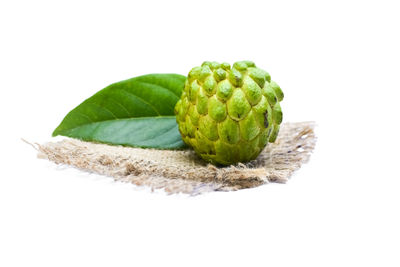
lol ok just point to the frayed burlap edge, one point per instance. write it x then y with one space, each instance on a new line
183 171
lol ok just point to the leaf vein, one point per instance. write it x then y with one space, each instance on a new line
86 116
144 101
104 108
122 106
159 86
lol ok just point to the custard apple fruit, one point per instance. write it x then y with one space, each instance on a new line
229 114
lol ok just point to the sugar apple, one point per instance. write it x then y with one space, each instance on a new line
229 114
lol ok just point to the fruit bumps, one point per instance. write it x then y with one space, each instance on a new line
229 114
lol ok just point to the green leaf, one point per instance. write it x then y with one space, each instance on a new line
137 112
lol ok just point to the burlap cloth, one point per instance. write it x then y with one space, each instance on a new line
183 171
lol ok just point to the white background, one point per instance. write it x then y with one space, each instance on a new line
338 63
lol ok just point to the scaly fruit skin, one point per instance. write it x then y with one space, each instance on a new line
229 114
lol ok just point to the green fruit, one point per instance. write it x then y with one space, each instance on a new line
229 114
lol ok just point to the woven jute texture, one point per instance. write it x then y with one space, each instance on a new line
183 171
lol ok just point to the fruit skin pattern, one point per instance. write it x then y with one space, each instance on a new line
229 114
